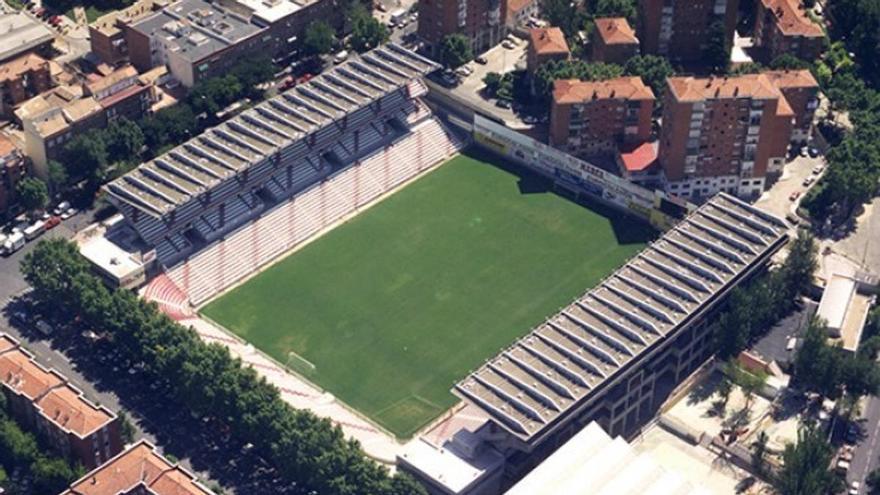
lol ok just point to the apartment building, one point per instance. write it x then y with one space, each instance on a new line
52 119
681 29
196 39
45 402
783 26
479 20
22 78
614 41
12 169
107 33
723 134
121 93
139 470
594 118
545 44
801 91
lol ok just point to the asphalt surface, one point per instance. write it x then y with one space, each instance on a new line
866 457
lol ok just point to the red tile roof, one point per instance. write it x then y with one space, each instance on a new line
548 40
615 31
749 85
792 19
639 157
791 78
138 467
576 91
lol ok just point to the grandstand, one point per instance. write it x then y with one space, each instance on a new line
298 162
583 355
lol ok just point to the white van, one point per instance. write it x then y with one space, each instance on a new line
397 16
13 243
35 230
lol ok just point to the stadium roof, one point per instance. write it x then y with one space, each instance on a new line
559 364
159 186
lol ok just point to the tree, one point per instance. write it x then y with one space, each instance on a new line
318 39
805 469
759 453
52 475
564 15
873 482
124 140
653 69
717 51
366 31
58 178
33 194
455 50
214 94
787 61
170 126
746 68
251 72
86 155
127 430
800 265
492 80
554 70
816 365
615 8
734 325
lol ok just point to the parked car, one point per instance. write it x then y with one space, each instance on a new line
804 151
61 208
464 71
44 328
507 44
68 213
13 243
481 60
340 57
818 169
813 152
52 222
809 180
502 104
380 7
854 488
794 196
35 230
530 120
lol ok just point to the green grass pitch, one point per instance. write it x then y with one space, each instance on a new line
397 304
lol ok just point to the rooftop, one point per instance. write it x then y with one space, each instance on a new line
639 157
536 381
593 462
615 31
19 33
549 40
182 174
196 29
66 407
58 401
274 10
16 67
792 18
107 23
140 468
692 89
100 84
784 79
570 91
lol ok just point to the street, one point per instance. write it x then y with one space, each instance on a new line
866 457
777 199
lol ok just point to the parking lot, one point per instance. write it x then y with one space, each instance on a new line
784 196
501 60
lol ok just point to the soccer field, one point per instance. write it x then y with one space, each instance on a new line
397 304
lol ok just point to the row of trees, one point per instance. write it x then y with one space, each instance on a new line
651 68
850 85
307 450
24 467
752 309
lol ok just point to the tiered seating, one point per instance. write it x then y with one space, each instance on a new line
275 188
313 209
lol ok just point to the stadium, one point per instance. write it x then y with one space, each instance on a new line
348 244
